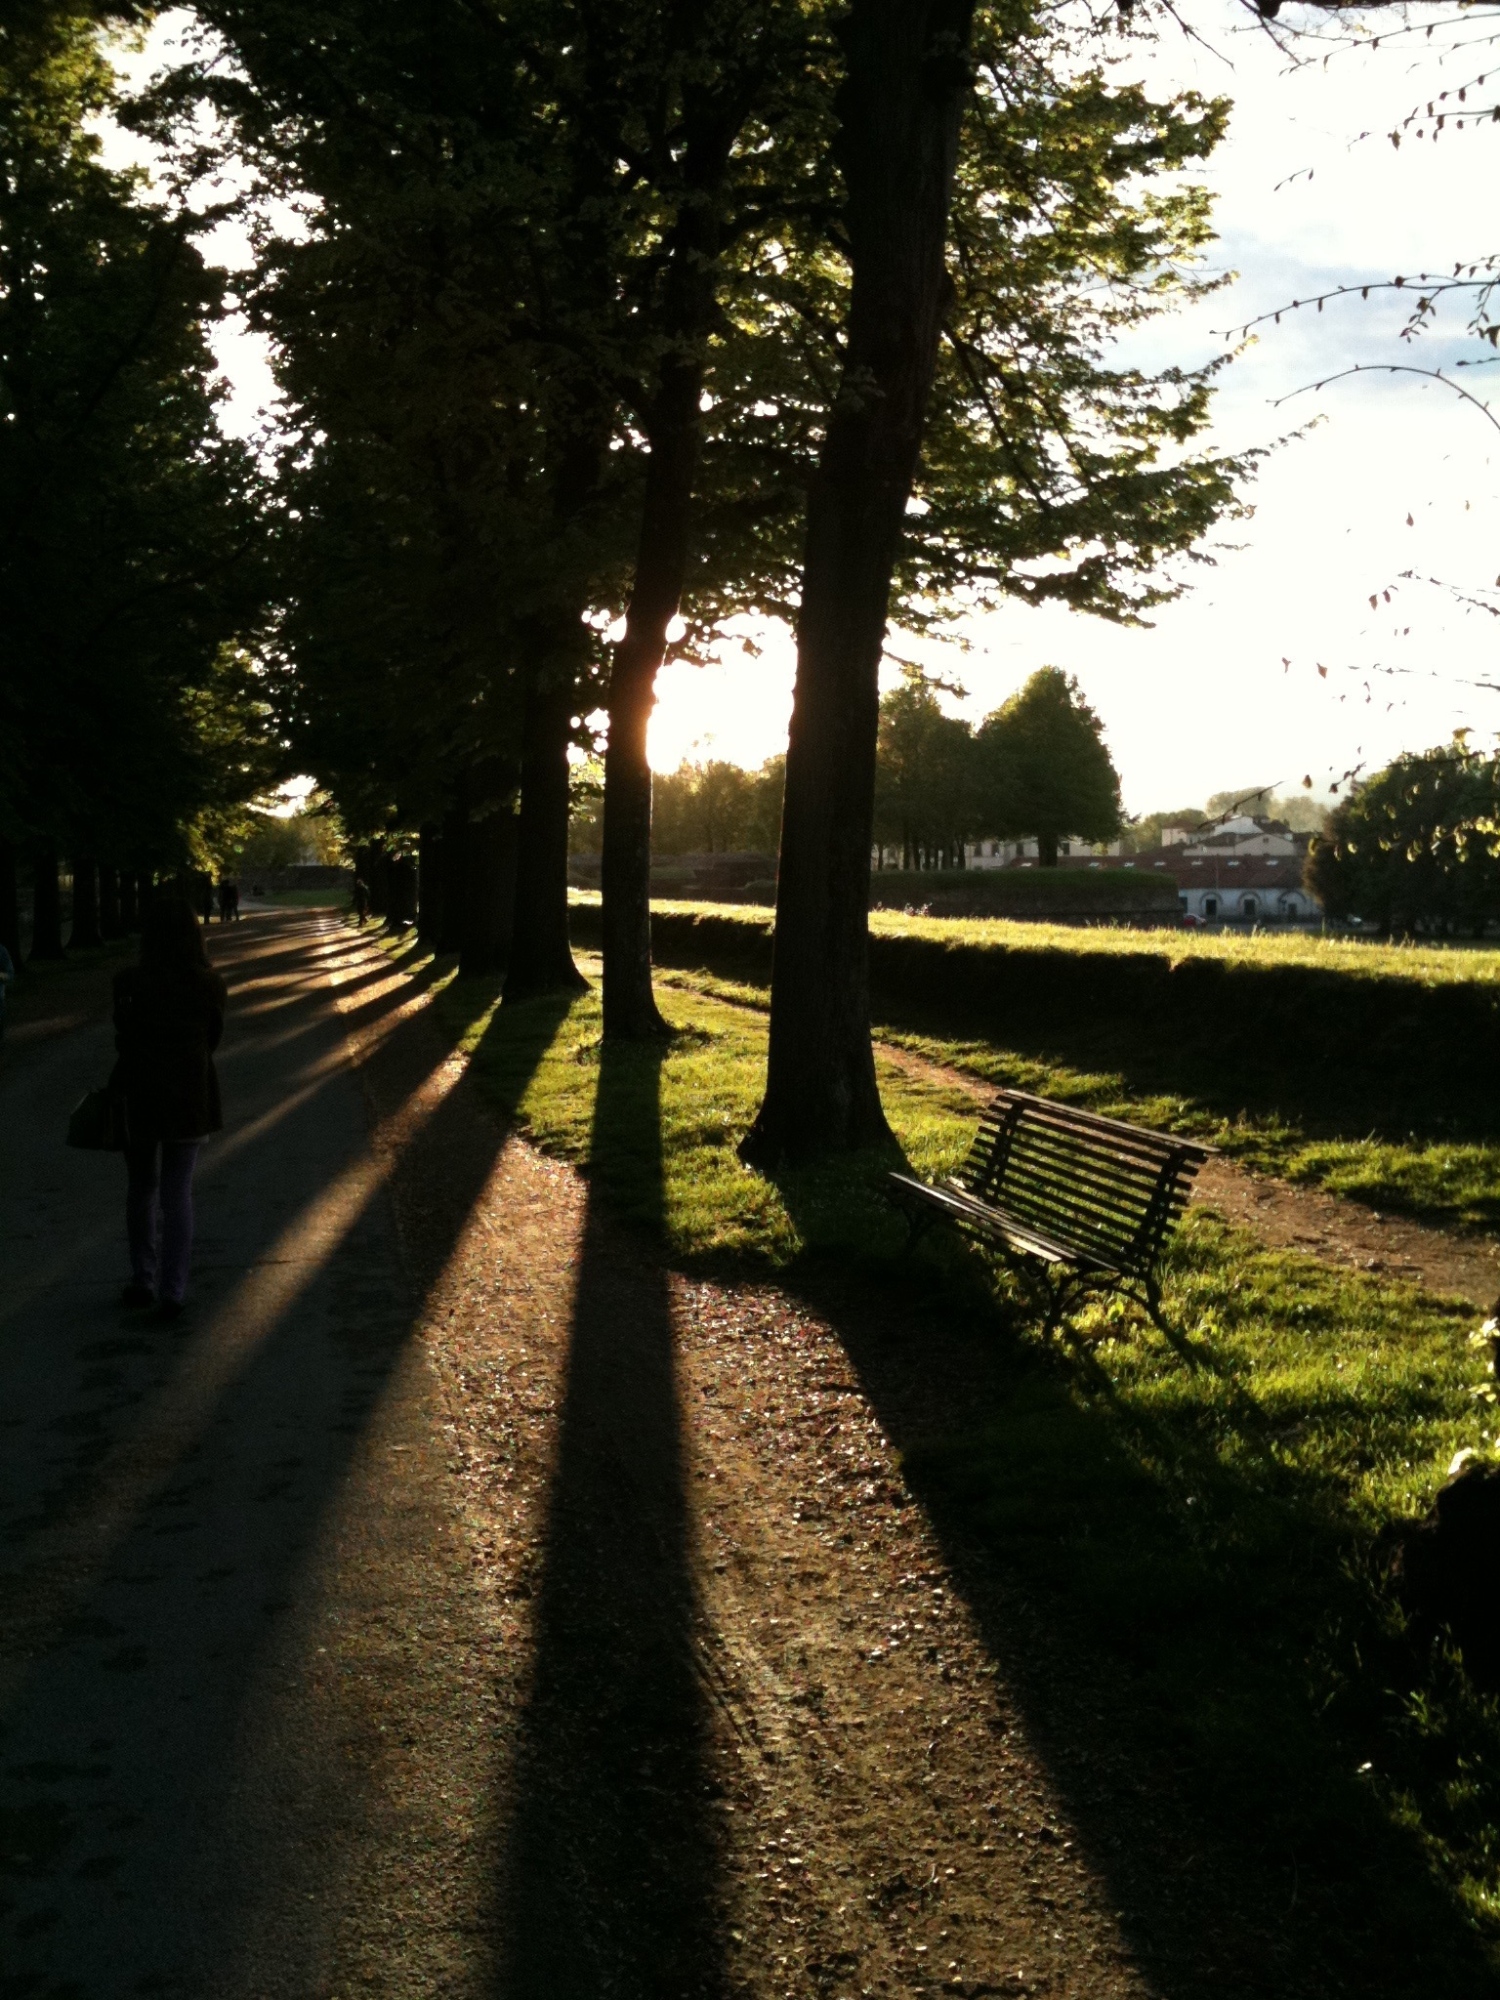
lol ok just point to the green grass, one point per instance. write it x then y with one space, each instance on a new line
658 1126
1202 1522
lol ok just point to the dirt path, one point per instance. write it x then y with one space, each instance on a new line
1306 1218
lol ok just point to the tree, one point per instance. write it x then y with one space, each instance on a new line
716 808
1046 770
1140 835
925 771
1296 810
989 261
1416 848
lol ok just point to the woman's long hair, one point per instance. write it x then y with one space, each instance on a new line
171 939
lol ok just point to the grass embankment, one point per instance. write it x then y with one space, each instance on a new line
1372 1070
1203 1532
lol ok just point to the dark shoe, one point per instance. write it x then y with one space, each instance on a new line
170 1309
137 1295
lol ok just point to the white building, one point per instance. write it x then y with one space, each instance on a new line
1241 871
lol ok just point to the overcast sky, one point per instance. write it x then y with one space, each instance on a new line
1203 700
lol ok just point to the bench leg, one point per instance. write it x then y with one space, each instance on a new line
1153 1305
918 1222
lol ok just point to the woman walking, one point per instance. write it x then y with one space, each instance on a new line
169 1015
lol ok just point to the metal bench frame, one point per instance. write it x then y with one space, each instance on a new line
1073 1203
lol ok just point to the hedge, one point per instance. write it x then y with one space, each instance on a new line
1380 1025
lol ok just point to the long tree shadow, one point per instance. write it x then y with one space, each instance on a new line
168 1499
609 1876
1154 1602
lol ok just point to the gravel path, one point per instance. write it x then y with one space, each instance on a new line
461 1604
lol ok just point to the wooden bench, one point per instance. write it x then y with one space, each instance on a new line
1073 1202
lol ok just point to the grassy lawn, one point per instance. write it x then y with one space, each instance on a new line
1209 1524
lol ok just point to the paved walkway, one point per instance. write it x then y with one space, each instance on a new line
221 1539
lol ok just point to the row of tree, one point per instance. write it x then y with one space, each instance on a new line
599 318
595 323
133 720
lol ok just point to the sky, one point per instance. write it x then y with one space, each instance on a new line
1391 474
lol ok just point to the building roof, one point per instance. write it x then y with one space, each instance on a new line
1224 870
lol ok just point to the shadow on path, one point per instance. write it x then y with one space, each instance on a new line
180 1509
1145 1641
609 1873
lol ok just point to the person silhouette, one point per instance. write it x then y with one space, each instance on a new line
169 1017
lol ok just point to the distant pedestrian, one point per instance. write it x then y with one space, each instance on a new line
206 897
169 1015
229 901
361 899
7 974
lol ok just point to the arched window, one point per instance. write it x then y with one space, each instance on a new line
1210 906
1250 906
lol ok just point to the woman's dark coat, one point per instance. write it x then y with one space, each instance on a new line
167 1026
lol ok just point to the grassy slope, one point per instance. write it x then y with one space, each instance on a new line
1210 1530
1426 1152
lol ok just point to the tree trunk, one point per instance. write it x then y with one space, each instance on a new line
630 1009
85 931
401 875
10 902
452 861
111 925
130 906
672 429
429 884
375 875
489 906
1046 850
46 905
900 107
541 958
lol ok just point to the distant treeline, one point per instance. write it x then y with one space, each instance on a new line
1037 768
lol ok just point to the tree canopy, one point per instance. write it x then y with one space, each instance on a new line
1416 848
1047 770
130 556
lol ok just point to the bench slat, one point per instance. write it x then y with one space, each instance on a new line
1134 1136
1040 1161
987 1221
1054 1174
1081 1149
